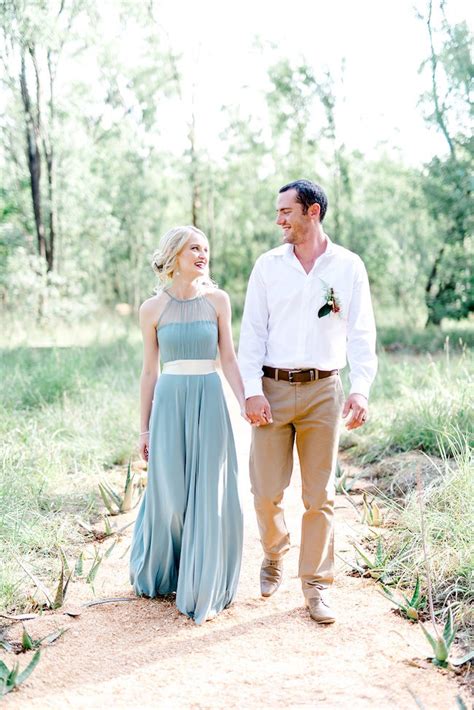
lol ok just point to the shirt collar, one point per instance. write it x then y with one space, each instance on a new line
288 252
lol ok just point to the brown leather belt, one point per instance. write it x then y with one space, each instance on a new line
293 376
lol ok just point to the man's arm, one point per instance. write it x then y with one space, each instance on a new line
253 347
254 334
361 336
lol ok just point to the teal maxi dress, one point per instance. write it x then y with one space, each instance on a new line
188 533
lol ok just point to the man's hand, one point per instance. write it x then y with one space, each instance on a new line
258 410
357 406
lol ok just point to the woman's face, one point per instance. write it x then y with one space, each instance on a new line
193 259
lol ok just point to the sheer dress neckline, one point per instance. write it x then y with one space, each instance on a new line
182 300
187 310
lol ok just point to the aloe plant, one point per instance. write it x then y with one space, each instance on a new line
441 643
63 583
128 491
409 607
12 678
79 566
30 644
375 566
97 561
54 600
113 501
371 513
343 482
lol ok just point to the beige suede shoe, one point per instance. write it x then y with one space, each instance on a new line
320 611
271 574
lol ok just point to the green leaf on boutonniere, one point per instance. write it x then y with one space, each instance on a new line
324 310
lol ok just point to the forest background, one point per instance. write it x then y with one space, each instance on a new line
108 139
122 119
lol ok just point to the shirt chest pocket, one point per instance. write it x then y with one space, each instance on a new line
333 301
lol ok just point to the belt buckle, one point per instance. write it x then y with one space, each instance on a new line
290 376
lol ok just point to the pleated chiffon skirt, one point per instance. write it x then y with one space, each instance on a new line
188 533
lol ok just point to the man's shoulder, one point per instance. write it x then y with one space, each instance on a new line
345 255
272 254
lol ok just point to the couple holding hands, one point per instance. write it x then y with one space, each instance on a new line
307 310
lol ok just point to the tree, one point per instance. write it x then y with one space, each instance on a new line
34 35
449 288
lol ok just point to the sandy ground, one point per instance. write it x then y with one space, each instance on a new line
257 654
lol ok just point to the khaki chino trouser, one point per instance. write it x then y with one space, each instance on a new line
310 413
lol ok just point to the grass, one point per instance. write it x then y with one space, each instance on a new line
418 402
68 415
447 506
407 339
424 403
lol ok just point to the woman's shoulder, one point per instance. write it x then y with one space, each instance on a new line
218 297
153 307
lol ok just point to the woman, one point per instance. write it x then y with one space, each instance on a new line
188 533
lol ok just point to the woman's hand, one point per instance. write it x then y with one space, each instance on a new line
243 414
144 445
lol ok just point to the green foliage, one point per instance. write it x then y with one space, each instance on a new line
378 565
371 513
447 512
10 679
117 503
68 414
409 607
30 644
441 643
408 339
118 185
54 600
450 287
419 404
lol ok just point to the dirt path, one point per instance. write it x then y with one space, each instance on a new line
257 654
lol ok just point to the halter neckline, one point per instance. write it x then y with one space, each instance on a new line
182 300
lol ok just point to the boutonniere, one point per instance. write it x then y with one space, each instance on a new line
332 304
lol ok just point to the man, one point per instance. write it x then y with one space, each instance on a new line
308 306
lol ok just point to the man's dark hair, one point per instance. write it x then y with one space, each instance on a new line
307 194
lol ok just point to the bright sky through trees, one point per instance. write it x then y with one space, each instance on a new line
380 42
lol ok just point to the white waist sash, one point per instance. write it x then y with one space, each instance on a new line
189 367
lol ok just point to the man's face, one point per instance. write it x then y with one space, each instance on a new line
290 218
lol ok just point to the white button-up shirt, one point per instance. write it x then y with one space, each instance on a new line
280 324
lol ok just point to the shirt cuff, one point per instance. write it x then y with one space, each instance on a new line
253 388
360 386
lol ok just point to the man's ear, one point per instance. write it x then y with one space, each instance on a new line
314 211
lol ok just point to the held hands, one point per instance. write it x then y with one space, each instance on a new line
258 411
357 406
144 445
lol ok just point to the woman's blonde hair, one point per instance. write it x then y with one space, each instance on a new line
171 243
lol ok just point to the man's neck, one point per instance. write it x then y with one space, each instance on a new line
308 251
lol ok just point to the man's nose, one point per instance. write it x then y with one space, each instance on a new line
280 219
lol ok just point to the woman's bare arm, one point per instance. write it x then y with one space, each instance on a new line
149 374
228 359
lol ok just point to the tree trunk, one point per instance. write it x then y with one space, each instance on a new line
433 318
50 169
439 113
33 156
